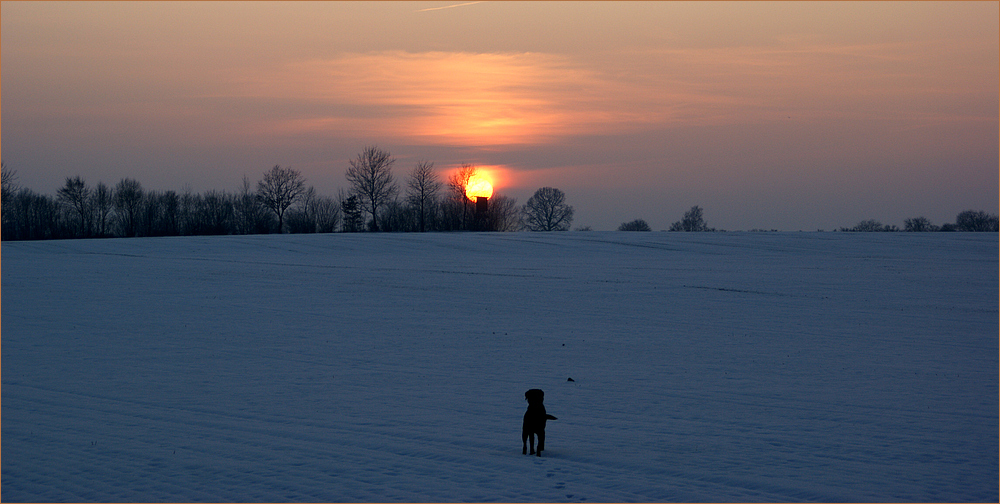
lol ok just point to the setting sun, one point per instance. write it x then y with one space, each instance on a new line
478 186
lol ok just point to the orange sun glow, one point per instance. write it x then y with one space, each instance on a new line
478 186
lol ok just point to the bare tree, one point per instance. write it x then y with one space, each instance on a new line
458 180
249 214
326 213
396 216
169 224
919 224
190 204
692 221
370 175
866 226
76 196
216 213
8 182
503 214
101 202
31 216
457 183
455 208
547 210
979 221
636 225
128 200
280 188
315 214
158 214
422 189
301 219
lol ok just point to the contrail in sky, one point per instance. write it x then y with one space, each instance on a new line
448 6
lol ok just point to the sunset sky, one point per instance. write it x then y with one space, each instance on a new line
785 115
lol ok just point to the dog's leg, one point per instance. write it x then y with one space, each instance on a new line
541 442
531 443
524 443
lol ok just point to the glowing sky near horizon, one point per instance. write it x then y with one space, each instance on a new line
781 115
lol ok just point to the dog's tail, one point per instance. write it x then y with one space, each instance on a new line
550 417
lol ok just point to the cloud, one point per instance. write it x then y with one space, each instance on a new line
495 99
467 98
447 6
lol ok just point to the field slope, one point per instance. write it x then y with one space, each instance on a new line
706 367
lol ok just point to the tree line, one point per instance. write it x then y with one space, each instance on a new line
280 202
693 221
968 221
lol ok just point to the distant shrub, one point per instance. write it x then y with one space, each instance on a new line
869 226
919 224
976 221
692 221
636 225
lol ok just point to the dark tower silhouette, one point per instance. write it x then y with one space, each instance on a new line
482 205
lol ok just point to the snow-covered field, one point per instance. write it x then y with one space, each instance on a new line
706 367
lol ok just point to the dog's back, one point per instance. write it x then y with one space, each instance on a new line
535 418
534 421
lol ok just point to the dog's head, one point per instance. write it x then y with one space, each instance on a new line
534 396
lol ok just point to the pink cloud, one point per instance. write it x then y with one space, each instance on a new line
466 98
488 99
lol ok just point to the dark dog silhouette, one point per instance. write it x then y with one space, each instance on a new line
534 422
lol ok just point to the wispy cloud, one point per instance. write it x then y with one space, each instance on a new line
447 6
471 98
483 99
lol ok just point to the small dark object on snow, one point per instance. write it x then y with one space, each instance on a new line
534 422
570 379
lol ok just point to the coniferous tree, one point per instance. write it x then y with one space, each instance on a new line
353 214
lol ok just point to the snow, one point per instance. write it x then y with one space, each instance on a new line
392 367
